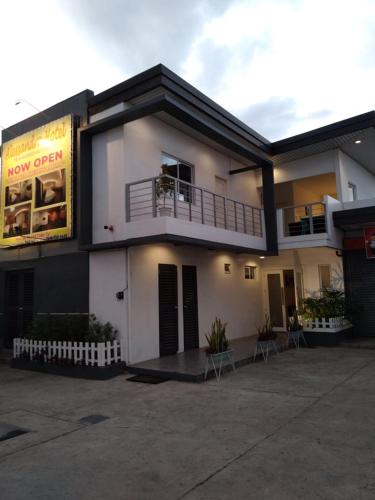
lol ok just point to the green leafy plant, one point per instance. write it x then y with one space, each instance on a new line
164 185
68 327
294 324
331 304
216 337
265 331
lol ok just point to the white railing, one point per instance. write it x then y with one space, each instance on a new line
300 220
167 196
79 353
326 324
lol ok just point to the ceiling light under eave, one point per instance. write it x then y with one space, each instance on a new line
358 141
262 257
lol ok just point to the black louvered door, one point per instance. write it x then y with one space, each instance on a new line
190 303
19 296
168 309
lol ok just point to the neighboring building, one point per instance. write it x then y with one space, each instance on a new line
40 276
236 226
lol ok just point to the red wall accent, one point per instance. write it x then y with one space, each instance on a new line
357 243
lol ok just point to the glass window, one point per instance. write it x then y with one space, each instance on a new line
180 170
250 272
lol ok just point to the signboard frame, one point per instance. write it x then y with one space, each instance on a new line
36 185
369 237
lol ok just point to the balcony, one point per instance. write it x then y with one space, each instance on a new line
304 219
308 225
166 205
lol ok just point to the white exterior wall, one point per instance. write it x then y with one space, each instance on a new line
228 296
309 166
108 275
351 171
308 260
133 152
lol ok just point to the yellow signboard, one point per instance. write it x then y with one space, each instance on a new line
36 185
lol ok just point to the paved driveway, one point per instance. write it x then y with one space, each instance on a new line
301 426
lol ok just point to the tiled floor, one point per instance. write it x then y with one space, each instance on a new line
189 366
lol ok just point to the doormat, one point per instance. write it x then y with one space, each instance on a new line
146 379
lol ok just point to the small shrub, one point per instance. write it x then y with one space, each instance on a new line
331 304
73 328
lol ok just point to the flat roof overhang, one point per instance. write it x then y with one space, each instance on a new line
355 218
161 78
340 135
167 104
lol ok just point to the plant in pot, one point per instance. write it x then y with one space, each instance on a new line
265 331
295 330
216 338
165 187
218 350
266 340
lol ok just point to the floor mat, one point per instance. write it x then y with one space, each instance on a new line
146 379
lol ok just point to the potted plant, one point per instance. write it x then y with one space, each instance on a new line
295 330
165 187
266 339
265 332
325 318
218 348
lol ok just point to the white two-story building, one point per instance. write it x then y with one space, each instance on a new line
186 214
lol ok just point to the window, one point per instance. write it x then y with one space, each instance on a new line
352 191
250 272
180 170
325 276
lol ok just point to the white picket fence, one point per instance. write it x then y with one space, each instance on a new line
332 325
88 353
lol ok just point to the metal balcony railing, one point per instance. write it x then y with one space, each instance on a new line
305 219
167 196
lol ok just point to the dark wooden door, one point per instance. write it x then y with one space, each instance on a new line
168 309
190 303
19 296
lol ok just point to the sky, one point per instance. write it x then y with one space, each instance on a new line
281 66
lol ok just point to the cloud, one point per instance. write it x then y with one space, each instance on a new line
271 118
137 34
284 66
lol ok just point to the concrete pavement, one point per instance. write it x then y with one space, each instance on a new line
301 426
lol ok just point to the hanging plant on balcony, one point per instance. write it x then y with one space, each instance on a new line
164 187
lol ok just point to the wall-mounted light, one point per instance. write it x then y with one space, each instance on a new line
262 257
